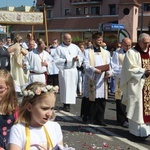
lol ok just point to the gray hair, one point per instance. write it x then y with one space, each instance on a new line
143 36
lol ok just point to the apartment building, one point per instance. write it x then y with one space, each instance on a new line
81 18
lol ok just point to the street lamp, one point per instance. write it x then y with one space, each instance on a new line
45 22
7 26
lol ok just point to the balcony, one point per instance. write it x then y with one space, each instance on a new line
45 2
85 2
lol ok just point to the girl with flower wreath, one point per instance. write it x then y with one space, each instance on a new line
8 106
34 128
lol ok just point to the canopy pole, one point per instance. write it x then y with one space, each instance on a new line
45 21
32 30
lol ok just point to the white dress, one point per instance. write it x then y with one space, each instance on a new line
68 75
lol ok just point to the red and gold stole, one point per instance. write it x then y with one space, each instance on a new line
145 59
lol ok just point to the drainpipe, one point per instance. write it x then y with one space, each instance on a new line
142 9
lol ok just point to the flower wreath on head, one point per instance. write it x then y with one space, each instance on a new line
40 90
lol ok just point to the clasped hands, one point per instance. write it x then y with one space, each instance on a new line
44 63
98 71
147 71
75 58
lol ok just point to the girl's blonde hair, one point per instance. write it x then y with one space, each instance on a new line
24 114
9 102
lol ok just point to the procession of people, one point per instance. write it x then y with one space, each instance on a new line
80 70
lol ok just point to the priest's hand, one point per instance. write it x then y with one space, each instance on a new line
24 51
44 63
147 73
107 75
97 71
75 58
148 67
25 66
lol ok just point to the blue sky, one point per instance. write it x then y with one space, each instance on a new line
15 3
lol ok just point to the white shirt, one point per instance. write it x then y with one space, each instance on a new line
37 135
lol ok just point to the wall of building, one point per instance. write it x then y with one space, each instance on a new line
58 12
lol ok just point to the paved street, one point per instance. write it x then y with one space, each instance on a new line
92 137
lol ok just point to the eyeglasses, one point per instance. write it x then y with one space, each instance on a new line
2 89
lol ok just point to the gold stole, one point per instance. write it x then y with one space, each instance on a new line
146 93
91 83
27 144
118 93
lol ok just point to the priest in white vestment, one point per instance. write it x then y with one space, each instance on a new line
95 82
116 63
135 85
67 57
17 54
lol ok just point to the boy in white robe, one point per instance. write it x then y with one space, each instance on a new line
38 61
116 63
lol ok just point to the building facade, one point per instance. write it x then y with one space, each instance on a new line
81 18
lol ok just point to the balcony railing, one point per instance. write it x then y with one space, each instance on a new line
46 2
84 2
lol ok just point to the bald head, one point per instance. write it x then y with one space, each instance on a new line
67 39
126 44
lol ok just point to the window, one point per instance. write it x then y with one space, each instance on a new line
96 0
49 13
147 7
78 11
85 10
95 10
67 12
112 9
49 2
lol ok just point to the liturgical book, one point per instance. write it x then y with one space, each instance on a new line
103 67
